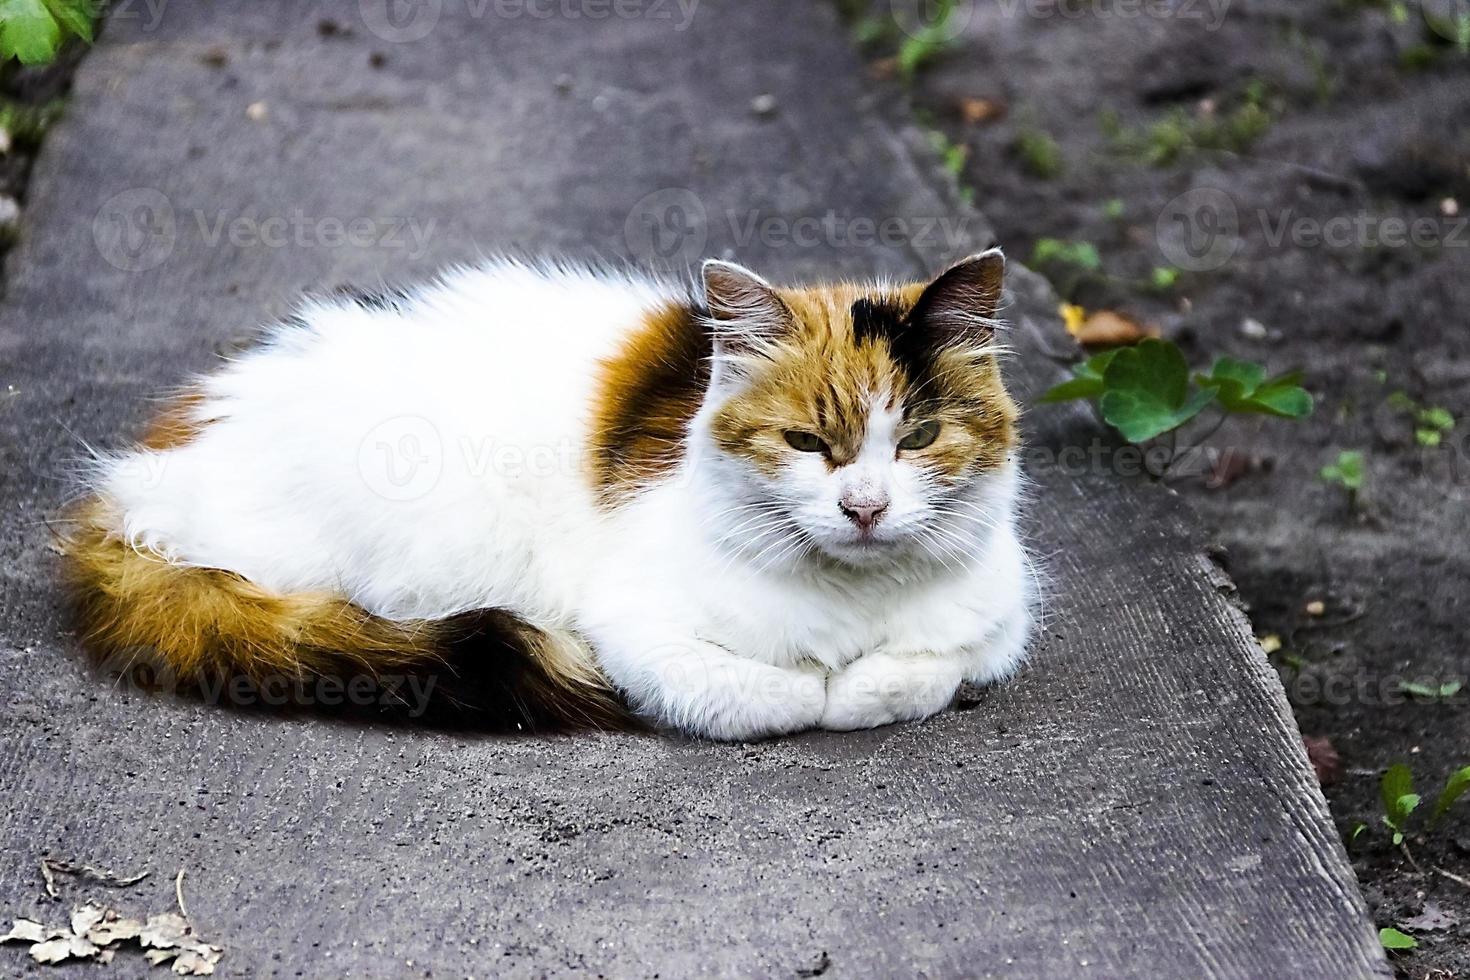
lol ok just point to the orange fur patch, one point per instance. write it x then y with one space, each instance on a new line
205 623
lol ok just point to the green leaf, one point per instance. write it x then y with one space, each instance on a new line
1391 938
1148 391
1454 788
1087 381
1073 389
1163 278
1347 471
75 16
1399 798
1083 255
1428 438
28 31
1446 690
1437 418
1243 388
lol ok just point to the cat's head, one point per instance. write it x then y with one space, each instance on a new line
856 420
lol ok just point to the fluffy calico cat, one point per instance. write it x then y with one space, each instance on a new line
738 510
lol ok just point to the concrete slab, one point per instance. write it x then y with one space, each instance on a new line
1137 803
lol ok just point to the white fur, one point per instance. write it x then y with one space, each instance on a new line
430 459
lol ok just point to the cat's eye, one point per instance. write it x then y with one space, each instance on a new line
921 437
805 442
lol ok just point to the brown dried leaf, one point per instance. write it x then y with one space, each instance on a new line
84 918
113 928
165 930
1108 328
157 956
63 948
27 931
1321 753
974 110
197 962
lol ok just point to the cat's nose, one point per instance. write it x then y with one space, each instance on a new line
864 510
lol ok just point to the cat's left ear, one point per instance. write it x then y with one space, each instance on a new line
961 304
746 315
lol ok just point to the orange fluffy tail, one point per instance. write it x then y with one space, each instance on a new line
205 625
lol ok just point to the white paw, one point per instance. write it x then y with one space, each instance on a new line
708 692
880 689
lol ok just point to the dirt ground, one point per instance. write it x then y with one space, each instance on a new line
1304 168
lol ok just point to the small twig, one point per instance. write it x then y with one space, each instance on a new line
179 893
1453 877
1405 848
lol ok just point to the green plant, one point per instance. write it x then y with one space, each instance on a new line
1146 391
1163 278
1082 255
1178 134
951 153
1431 422
1391 938
1039 153
1431 691
1347 473
31 31
926 43
1400 800
1113 208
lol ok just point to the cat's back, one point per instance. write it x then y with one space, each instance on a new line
392 445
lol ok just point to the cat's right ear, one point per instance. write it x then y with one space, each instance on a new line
745 313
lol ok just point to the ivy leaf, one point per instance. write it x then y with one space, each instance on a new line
1147 391
1455 788
1391 938
1242 387
1087 380
31 30
28 31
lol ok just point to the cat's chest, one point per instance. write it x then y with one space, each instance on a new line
784 622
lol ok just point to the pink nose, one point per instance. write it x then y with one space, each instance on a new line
864 511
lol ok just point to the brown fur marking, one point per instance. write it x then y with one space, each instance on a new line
205 623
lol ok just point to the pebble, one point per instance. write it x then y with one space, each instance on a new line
763 105
1449 207
1252 328
1316 607
256 112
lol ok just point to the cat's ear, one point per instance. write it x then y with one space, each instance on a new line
961 304
745 313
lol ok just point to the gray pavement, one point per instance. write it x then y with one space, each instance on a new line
1136 803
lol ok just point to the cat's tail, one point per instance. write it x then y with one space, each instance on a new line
202 626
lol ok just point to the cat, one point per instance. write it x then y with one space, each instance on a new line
721 507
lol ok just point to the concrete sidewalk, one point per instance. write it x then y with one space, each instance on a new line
1137 803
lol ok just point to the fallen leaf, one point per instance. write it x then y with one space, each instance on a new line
50 867
1072 317
26 931
1315 608
1432 919
164 930
1107 328
974 110
157 956
63 948
84 918
113 928
196 962
1322 754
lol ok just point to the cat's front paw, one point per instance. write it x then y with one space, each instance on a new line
880 689
706 691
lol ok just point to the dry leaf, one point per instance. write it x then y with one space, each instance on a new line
164 930
982 110
1322 754
1072 317
84 918
26 931
114 928
157 956
1107 328
63 948
1432 919
1270 643
197 963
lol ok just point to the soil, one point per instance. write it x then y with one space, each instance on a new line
1319 127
